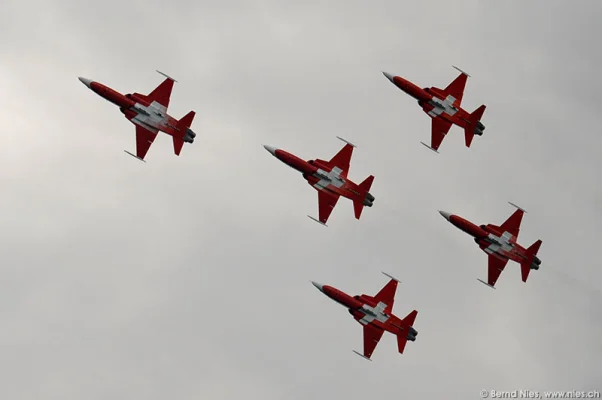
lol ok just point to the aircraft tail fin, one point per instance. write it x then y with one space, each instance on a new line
364 198
184 133
408 333
532 262
474 126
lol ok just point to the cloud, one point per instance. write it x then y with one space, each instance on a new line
189 277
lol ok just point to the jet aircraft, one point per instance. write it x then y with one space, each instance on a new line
149 115
499 242
376 315
443 106
329 178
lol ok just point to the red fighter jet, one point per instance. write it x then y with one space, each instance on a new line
443 106
499 242
329 178
149 114
375 314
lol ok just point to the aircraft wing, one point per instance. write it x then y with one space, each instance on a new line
342 159
144 140
512 224
456 88
162 93
440 127
408 321
326 203
495 268
372 336
387 295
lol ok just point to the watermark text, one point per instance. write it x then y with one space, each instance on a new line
535 394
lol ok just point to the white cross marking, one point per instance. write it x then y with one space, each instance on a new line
442 106
159 107
500 243
373 313
329 178
150 116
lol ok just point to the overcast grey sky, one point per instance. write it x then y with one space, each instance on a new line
189 278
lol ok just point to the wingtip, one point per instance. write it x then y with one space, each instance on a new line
461 70
485 283
514 205
165 75
135 156
361 355
346 141
390 276
429 147
318 221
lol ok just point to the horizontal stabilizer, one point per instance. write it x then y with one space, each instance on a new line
474 125
534 248
165 75
361 355
430 147
477 114
524 271
514 205
182 128
349 143
531 253
185 122
392 277
410 318
364 190
485 283
365 186
402 339
468 136
135 156
319 222
177 145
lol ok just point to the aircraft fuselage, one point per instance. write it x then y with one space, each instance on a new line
136 109
365 310
434 102
491 239
319 175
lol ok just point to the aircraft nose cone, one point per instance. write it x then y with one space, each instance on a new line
85 81
270 149
445 214
318 285
389 76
